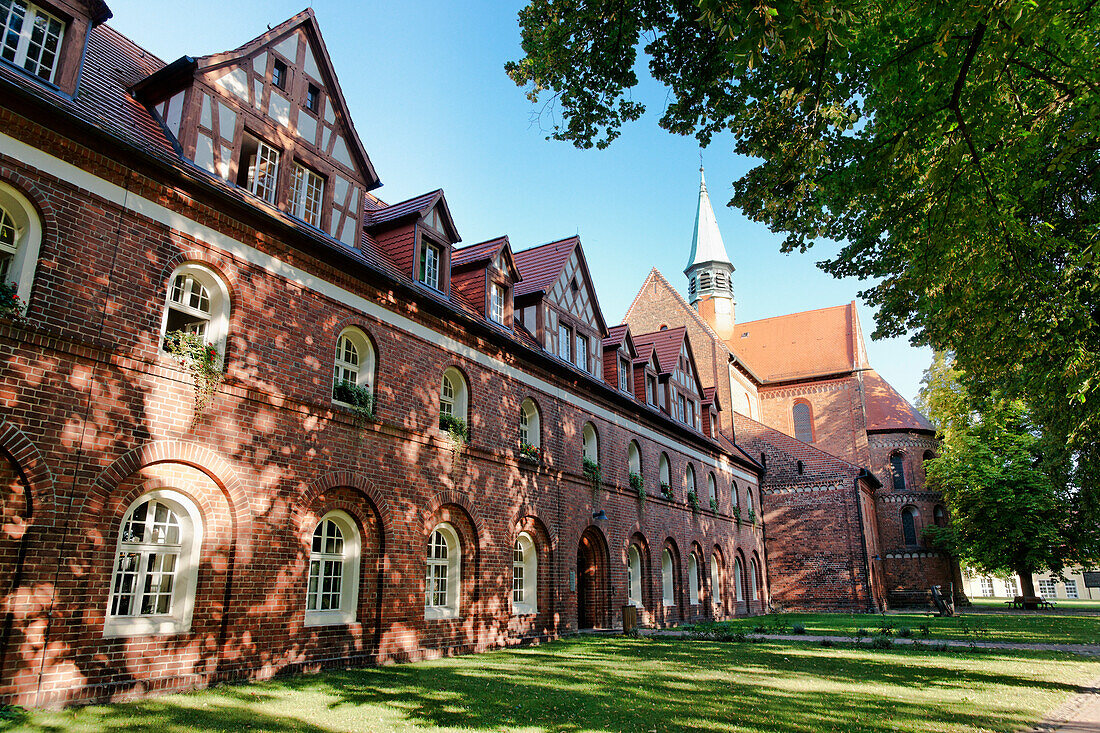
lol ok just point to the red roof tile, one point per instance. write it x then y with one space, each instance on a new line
477 252
667 343
800 345
416 205
888 410
616 335
540 266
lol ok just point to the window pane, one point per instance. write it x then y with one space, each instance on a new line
803 428
13 14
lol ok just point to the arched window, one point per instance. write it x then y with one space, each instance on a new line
633 458
524 576
689 480
715 581
530 425
591 442
333 588
634 575
156 567
353 366
738 580
712 488
939 516
444 572
735 494
453 398
198 304
663 470
693 579
749 508
897 468
668 579
909 525
928 455
754 580
20 241
803 422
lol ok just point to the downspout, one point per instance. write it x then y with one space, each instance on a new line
863 473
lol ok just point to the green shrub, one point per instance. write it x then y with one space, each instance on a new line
881 641
940 646
760 629
925 630
360 399
826 643
693 500
456 427
714 504
666 491
11 306
862 633
905 632
592 472
798 629
637 484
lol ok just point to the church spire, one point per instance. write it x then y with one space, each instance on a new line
709 270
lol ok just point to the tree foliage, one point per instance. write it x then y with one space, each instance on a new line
1011 508
952 149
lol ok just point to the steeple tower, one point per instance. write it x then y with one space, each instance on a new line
709 270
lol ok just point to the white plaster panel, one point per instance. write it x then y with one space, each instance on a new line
310 65
340 152
206 117
259 64
278 108
347 236
330 112
258 87
144 207
204 153
307 127
339 189
288 47
223 164
175 113
236 83
324 138
227 121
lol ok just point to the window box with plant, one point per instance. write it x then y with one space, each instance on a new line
455 427
752 516
737 514
592 472
693 500
714 504
666 491
202 360
637 484
530 454
359 398
11 306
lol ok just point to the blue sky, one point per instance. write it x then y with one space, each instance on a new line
434 108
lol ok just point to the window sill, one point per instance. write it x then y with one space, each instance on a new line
329 618
524 611
125 626
440 614
669 604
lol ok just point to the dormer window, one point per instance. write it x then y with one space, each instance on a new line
565 340
306 195
582 352
624 375
313 99
430 261
31 38
278 74
651 389
496 303
259 168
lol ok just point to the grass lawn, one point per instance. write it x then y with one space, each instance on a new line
619 684
1071 603
1029 628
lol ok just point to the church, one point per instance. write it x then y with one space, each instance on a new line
258 420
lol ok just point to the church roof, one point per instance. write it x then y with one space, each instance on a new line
801 345
706 243
887 410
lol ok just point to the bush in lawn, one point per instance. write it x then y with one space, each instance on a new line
905 632
860 633
940 646
760 629
798 629
881 641
925 630
827 643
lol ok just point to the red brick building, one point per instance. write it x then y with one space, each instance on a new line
256 419
844 501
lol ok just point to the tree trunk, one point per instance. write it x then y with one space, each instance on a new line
1027 584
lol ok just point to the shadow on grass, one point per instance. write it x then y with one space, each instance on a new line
613 684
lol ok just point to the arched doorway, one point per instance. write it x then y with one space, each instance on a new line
592 594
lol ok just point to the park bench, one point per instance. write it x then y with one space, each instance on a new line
1031 603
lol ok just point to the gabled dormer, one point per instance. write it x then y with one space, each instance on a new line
484 275
619 354
44 40
647 371
269 117
711 408
678 376
416 236
556 301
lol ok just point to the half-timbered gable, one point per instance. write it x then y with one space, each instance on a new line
269 118
681 393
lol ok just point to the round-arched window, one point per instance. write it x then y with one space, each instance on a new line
591 443
530 426
20 241
454 398
524 576
634 575
197 305
353 368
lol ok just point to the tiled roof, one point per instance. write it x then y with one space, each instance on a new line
667 343
615 335
477 252
415 205
817 462
888 410
540 266
800 345
708 395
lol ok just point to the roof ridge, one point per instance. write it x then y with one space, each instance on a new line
796 440
544 244
796 313
131 41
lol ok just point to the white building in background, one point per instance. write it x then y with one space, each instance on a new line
1076 584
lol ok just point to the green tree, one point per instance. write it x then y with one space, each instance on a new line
1009 510
951 148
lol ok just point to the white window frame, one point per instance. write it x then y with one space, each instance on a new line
581 351
307 195
634 576
185 580
1070 586
753 580
431 259
451 568
715 581
20 52
565 342
530 429
712 487
668 579
689 480
694 586
26 241
496 303
525 568
986 584
1048 588
350 558
633 458
267 158
454 395
590 442
360 370
738 580
664 474
217 325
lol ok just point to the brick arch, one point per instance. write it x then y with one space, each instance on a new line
527 516
31 465
29 189
463 502
187 453
193 252
360 483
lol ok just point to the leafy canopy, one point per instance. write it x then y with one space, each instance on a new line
952 148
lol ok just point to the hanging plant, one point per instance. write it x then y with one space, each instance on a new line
530 453
737 514
693 500
360 399
752 516
204 363
592 472
714 504
637 484
11 305
666 491
456 429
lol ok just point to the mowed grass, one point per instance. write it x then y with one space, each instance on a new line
1021 628
619 684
